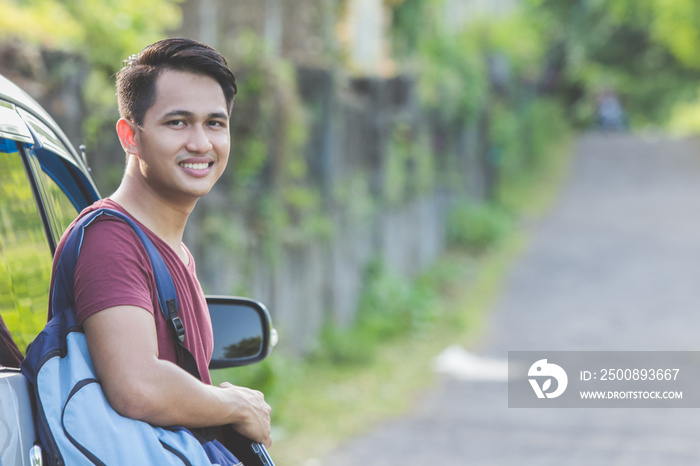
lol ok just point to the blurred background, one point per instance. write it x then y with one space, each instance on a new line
370 140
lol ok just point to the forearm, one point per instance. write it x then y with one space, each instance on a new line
171 396
141 386
163 394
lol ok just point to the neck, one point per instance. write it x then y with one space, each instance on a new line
165 217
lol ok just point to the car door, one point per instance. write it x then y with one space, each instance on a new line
43 186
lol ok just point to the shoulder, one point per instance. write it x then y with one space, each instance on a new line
112 269
106 229
109 239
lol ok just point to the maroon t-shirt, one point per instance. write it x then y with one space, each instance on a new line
114 269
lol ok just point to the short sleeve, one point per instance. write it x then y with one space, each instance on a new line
113 269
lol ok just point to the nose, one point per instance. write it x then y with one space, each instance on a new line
198 140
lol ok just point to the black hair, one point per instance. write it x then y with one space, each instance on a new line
136 81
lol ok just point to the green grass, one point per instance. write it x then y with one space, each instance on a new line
322 401
533 193
325 403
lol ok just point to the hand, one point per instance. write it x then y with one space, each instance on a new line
253 413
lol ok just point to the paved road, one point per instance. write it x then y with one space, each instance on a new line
615 265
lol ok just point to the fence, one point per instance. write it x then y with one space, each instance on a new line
309 284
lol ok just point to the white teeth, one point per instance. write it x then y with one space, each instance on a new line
195 166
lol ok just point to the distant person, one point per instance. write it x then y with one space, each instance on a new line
175 101
610 114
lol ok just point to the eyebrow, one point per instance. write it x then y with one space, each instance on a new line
188 114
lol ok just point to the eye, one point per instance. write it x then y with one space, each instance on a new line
217 123
175 123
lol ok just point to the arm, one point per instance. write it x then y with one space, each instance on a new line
123 346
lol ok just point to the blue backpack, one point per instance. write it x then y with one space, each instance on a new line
75 422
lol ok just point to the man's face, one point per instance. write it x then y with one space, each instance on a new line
184 141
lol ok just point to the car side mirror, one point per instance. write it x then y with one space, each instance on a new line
243 332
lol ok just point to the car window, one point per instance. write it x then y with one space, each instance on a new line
25 253
25 257
60 209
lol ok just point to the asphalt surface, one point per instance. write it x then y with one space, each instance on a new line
615 265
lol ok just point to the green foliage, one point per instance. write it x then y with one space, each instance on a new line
516 39
482 76
410 165
451 65
477 227
51 22
453 81
391 305
104 32
672 23
268 176
543 126
504 136
354 195
685 119
412 20
524 136
644 50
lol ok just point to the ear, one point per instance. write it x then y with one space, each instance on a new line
126 130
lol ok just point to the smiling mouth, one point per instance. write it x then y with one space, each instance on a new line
197 166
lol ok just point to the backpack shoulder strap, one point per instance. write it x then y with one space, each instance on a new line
167 296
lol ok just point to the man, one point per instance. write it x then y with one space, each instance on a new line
175 100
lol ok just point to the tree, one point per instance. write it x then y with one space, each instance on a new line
643 49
